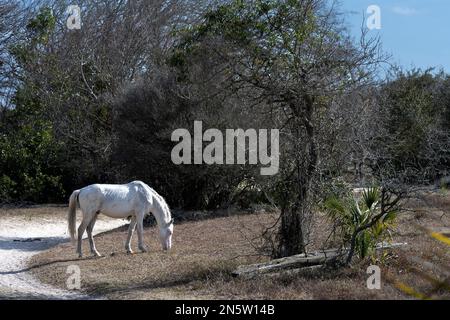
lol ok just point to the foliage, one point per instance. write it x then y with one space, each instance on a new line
28 160
30 154
99 105
411 142
350 214
289 60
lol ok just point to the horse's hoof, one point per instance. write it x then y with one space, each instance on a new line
96 254
130 252
143 250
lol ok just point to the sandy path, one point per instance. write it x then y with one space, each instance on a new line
21 237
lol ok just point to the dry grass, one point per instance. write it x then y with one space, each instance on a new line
205 252
41 211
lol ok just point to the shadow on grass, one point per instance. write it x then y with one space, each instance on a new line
41 244
206 275
40 265
183 216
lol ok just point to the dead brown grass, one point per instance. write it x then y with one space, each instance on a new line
202 251
41 211
205 252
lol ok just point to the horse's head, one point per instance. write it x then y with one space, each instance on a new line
165 235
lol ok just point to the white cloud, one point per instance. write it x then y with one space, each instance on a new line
405 11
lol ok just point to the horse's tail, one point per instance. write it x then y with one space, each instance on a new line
72 217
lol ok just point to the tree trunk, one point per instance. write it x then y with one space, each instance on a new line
295 213
291 235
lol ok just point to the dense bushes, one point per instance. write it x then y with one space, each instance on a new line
29 162
411 140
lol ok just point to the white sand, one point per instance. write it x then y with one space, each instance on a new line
20 239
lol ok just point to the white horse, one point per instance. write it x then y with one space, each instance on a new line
135 200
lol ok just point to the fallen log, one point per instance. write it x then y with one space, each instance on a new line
292 262
297 272
298 261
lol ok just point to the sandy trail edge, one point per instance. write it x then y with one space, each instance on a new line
21 238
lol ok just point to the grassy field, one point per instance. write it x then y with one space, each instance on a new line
205 252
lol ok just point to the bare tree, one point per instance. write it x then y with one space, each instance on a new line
13 19
290 59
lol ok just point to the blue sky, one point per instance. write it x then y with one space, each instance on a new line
415 32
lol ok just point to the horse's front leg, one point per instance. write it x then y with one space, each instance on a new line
140 229
130 234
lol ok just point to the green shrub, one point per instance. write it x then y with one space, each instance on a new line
361 219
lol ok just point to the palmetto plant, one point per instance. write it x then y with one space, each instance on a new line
362 223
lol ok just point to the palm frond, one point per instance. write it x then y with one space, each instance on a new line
371 197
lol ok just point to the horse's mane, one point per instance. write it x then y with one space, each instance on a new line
159 201
162 205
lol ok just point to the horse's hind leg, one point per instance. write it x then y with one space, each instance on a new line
130 234
84 223
89 229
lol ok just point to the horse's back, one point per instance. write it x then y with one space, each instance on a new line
118 190
114 200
